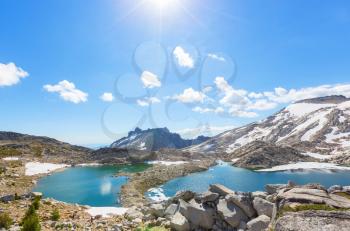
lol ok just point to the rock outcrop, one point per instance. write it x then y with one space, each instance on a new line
284 207
155 139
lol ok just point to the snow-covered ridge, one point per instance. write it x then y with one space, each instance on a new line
305 165
320 125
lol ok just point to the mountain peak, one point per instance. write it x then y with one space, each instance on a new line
332 99
153 139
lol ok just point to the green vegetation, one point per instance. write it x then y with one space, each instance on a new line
31 220
55 215
36 203
306 207
8 151
2 169
152 228
31 223
343 194
5 221
37 151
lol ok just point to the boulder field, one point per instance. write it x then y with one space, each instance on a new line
281 207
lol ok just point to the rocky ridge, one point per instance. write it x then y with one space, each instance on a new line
44 148
320 125
155 139
260 154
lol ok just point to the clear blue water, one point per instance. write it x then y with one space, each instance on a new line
240 179
94 186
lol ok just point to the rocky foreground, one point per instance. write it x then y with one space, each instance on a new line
284 207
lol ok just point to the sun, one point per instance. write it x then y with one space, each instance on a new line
163 4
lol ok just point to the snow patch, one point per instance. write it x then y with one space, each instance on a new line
256 134
89 165
33 168
10 158
321 120
106 211
317 155
302 109
342 119
305 165
167 163
142 146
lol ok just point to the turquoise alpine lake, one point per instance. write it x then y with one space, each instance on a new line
96 186
245 180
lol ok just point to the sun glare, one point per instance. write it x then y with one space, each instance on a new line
163 4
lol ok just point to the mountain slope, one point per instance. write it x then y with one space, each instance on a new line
155 139
320 125
22 145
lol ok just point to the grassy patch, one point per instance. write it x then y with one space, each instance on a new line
37 151
8 151
343 194
151 228
5 221
306 207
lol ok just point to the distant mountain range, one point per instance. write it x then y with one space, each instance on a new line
17 144
155 139
319 125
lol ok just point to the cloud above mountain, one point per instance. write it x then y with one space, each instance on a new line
67 91
243 103
190 95
10 74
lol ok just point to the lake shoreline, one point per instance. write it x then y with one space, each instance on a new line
132 193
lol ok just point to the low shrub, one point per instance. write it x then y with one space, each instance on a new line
36 203
55 215
5 221
31 223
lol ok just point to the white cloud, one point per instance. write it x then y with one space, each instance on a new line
107 97
216 57
206 130
147 101
255 95
207 89
281 95
190 96
150 80
10 74
68 92
242 113
261 105
231 96
183 58
203 110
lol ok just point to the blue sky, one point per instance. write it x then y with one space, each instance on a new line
175 63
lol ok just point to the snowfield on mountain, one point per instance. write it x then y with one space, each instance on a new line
320 125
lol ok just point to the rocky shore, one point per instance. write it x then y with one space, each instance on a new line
282 207
133 192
